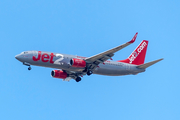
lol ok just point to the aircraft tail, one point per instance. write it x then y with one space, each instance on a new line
137 57
144 66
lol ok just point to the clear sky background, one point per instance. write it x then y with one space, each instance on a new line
86 28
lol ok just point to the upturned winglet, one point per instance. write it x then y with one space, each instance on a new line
134 38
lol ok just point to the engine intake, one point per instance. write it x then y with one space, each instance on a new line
79 63
59 74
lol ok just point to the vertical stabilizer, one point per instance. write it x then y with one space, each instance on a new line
137 57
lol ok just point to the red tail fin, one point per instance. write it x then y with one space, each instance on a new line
137 57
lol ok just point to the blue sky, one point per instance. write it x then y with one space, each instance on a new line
87 28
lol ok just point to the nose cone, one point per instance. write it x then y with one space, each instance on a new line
18 57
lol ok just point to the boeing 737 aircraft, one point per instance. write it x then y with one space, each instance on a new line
74 67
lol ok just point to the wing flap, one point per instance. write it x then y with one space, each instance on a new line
67 79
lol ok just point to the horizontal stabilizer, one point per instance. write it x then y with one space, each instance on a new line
144 66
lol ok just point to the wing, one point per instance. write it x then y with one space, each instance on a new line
93 61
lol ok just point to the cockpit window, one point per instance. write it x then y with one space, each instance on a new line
24 52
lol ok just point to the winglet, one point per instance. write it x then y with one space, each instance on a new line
134 38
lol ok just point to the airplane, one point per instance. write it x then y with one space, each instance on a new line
69 67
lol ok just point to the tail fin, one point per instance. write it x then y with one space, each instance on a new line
137 57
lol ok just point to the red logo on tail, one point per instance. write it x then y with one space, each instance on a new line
138 55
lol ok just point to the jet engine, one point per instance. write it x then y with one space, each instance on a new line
79 63
59 74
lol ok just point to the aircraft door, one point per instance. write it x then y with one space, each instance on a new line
35 53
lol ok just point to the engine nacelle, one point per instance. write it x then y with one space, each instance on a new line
59 74
79 63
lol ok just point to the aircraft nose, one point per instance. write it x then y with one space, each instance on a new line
17 57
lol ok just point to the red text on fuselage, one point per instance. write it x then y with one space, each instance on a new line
44 57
